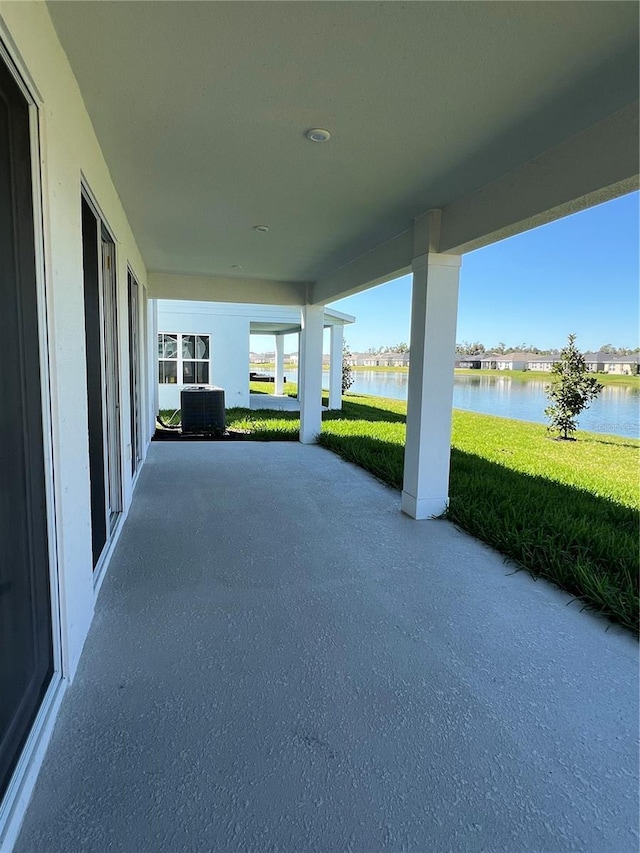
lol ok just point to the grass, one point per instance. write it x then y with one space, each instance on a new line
566 511
357 368
264 424
545 376
518 375
290 388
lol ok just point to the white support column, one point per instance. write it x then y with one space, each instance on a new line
335 366
434 309
152 364
279 367
310 372
300 363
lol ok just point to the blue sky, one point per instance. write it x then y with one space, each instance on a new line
578 274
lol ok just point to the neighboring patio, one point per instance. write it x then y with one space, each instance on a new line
282 661
276 402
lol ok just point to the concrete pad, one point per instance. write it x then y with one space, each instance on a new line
282 661
271 401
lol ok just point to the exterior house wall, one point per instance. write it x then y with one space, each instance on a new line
70 153
594 361
229 347
511 364
542 365
65 155
229 327
622 366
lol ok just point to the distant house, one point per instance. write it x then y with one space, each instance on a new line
468 362
515 361
488 361
397 359
622 365
391 359
384 359
543 363
595 361
261 357
356 359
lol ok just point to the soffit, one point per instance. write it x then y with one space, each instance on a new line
201 107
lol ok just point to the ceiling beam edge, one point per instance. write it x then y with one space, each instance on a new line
596 165
384 263
226 289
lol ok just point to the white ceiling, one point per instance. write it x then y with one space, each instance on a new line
201 108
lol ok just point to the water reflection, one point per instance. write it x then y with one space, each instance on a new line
616 411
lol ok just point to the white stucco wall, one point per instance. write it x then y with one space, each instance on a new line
69 153
229 346
229 326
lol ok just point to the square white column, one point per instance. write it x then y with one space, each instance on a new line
434 310
336 338
279 366
152 364
300 362
310 373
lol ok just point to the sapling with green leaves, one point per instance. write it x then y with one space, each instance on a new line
347 373
571 390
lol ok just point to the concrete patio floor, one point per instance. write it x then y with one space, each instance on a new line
271 401
281 661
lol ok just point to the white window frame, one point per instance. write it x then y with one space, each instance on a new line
179 360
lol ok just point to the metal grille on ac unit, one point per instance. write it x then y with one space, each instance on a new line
202 409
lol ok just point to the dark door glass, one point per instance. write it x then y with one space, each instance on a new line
26 645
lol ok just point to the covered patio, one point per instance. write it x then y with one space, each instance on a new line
281 658
353 682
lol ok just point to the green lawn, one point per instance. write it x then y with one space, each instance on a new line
398 369
518 375
544 376
567 511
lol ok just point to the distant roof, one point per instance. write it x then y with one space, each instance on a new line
634 358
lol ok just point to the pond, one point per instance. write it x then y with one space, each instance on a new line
616 411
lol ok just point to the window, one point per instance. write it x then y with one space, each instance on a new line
183 359
167 359
195 359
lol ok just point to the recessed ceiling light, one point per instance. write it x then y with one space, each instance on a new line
262 228
318 134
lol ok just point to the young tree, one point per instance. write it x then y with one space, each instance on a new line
571 391
347 373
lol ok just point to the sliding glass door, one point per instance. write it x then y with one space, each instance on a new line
103 377
133 293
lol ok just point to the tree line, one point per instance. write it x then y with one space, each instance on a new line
477 348
401 347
